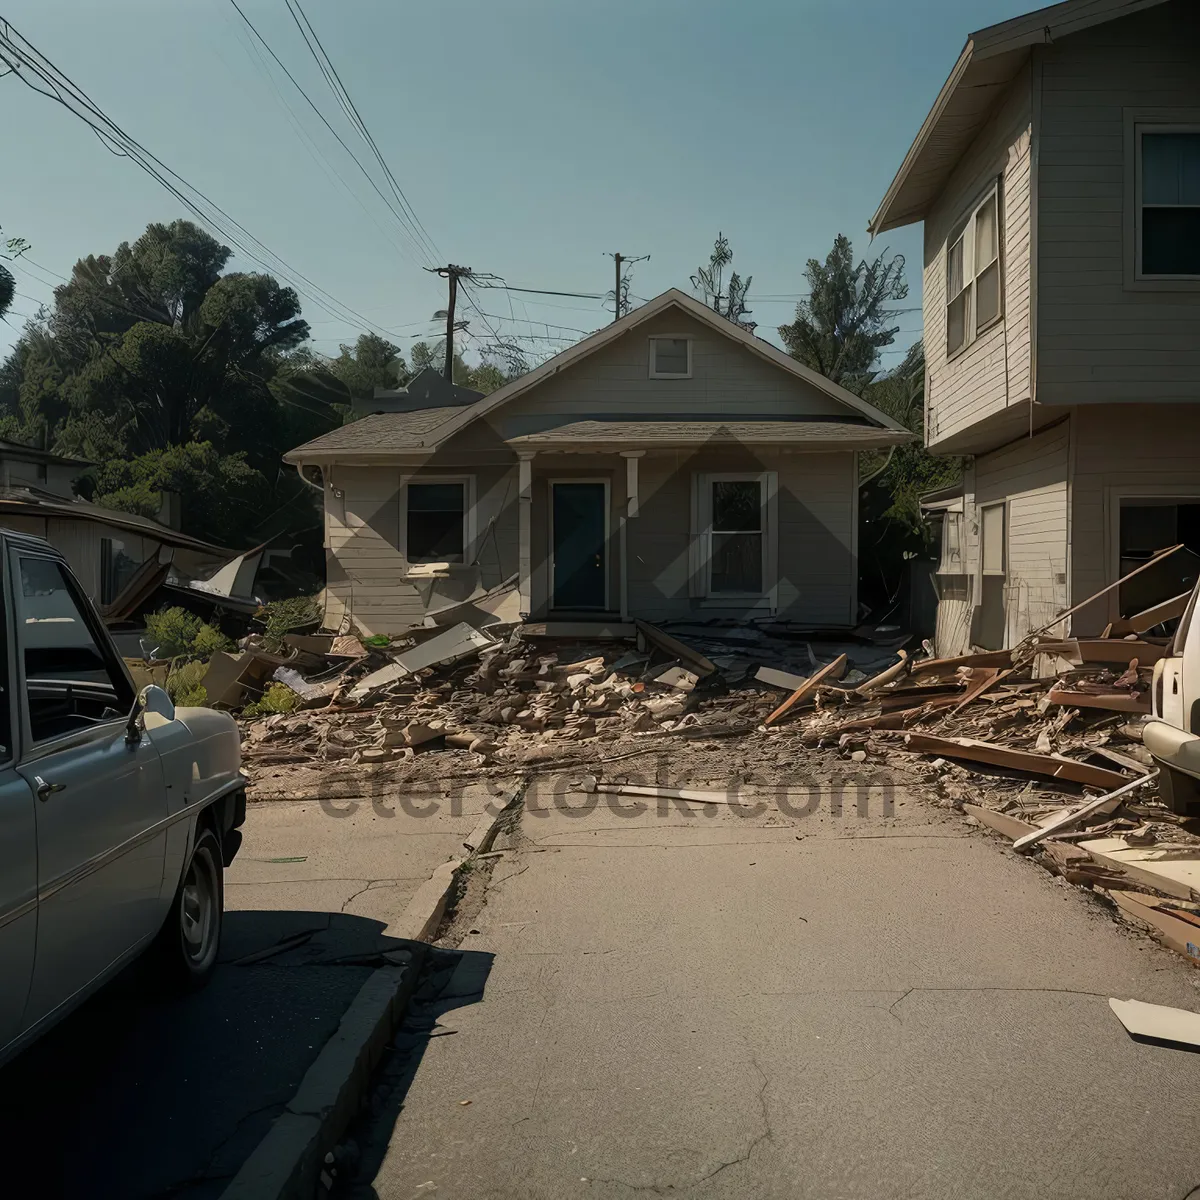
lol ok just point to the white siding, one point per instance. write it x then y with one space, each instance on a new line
727 380
1031 475
994 371
1123 449
1099 340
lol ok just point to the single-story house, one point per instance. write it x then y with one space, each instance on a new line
669 466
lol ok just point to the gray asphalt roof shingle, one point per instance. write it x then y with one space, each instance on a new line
382 431
690 432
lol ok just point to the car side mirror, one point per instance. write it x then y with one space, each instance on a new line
152 708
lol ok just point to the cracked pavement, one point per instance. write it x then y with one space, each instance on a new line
716 1005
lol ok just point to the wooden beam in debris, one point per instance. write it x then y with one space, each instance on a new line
945 666
808 687
1002 823
1105 650
1151 866
1017 760
1146 620
1070 612
1110 701
988 677
674 648
885 676
1100 806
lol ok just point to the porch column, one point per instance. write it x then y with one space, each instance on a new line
629 510
524 530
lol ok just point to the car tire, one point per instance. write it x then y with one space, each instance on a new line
191 937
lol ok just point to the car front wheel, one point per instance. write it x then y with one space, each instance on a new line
191 937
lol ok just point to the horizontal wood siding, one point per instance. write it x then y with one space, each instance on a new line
815 513
994 371
1123 448
727 380
1031 475
1099 341
366 584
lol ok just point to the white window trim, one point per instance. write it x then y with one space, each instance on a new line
550 484
965 229
1140 129
655 373
701 540
468 482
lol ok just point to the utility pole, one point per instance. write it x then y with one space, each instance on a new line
453 274
619 258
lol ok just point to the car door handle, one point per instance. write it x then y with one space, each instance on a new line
45 789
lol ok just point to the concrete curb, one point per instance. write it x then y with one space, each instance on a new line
287 1163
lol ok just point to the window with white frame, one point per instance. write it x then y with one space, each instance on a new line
735 534
435 521
992 538
670 358
1168 188
973 283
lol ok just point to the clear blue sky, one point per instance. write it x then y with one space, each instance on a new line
530 136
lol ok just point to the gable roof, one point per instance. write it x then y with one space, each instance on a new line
987 65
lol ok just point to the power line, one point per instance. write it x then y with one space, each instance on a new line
329 71
76 101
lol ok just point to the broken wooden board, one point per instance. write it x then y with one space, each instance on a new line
453 645
1172 931
674 648
988 677
599 631
1110 701
1101 805
779 679
1164 870
946 666
1002 823
679 678
1017 760
914 697
885 676
1146 620
1158 1023
833 670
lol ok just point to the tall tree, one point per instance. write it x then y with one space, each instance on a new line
845 322
10 248
709 281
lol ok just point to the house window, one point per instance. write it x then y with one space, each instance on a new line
1169 203
436 522
973 285
992 534
670 358
733 542
1148 526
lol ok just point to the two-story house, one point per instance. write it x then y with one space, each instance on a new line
1058 179
670 465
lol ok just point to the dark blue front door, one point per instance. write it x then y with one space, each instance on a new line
579 549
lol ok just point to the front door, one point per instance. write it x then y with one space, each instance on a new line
578 545
100 802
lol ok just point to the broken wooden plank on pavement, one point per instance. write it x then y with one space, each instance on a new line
1017 760
1101 805
1002 823
1158 1022
1175 932
1169 871
833 670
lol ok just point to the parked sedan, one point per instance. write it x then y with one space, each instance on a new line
118 812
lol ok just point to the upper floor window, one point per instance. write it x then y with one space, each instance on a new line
973 291
670 358
1169 202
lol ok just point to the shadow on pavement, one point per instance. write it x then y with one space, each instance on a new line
453 979
143 1094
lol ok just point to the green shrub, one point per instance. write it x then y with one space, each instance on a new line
280 617
278 698
184 686
209 640
173 630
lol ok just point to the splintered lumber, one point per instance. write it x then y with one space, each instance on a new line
885 676
674 648
780 679
1017 760
1149 617
808 687
1156 867
1104 650
946 666
915 697
1075 816
1158 1022
988 677
1173 930
1112 701
1070 612
1010 827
